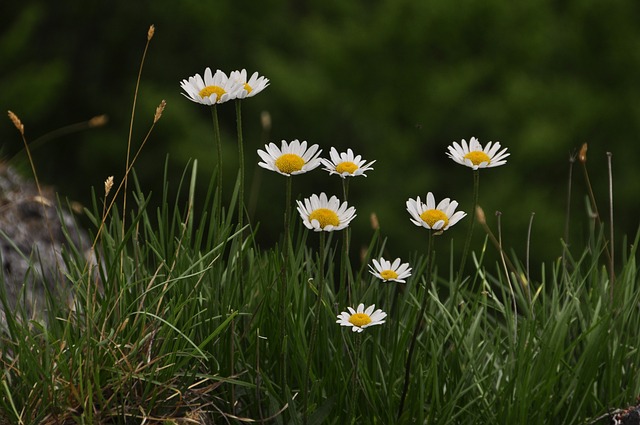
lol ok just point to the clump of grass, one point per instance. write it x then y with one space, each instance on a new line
161 331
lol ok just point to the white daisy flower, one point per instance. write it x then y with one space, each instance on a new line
388 271
432 216
321 214
474 156
291 159
250 87
214 88
360 318
346 164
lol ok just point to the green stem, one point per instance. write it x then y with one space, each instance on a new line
240 197
345 254
218 143
354 383
240 162
467 244
417 328
283 281
314 330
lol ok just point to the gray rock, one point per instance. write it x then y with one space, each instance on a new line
32 241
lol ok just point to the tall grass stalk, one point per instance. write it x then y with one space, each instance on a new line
150 33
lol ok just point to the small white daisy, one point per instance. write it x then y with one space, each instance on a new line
291 159
250 87
360 318
345 164
387 271
214 88
474 156
432 216
321 214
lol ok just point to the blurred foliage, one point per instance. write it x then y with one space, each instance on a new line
396 80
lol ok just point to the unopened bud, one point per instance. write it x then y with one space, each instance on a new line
582 156
150 33
375 224
265 120
480 215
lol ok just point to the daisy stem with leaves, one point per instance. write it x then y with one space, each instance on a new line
316 323
467 243
418 326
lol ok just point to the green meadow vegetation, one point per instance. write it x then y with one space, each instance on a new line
185 317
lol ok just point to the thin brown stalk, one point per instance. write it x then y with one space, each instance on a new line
94 122
41 199
122 182
483 222
150 33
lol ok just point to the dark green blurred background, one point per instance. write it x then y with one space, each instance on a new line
396 80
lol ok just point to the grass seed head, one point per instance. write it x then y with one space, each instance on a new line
16 121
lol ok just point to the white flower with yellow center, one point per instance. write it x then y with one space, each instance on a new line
359 319
346 164
432 216
291 158
388 271
250 87
214 88
474 156
321 214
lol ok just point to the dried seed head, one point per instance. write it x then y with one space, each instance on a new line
98 121
16 121
108 184
375 224
582 156
159 111
152 30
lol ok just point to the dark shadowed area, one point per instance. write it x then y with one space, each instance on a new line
395 80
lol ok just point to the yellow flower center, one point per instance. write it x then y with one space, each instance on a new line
388 274
248 88
477 157
431 217
289 162
209 90
360 319
347 166
325 217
